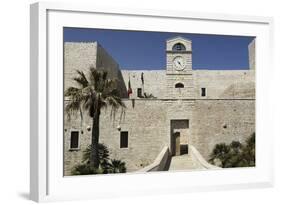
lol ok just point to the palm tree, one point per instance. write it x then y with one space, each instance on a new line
93 93
103 156
221 152
249 151
117 166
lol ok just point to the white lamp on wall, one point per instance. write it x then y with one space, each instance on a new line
89 128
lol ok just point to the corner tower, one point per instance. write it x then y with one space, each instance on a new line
179 74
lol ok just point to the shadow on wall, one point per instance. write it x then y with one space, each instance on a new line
121 85
168 163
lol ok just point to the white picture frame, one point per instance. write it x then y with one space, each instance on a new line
46 179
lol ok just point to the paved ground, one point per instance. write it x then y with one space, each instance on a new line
183 162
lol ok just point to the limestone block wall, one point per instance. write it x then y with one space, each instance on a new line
217 121
74 157
154 82
149 124
225 84
145 122
180 93
252 55
83 55
78 56
226 113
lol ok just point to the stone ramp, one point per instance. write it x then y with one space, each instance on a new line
191 161
184 162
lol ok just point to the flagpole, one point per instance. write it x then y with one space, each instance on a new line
142 82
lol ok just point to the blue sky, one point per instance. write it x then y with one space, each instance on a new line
146 50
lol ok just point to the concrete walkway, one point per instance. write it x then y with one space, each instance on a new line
184 162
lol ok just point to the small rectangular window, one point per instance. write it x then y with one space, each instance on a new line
203 92
123 139
74 140
139 92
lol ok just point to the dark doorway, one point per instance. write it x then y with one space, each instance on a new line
179 137
175 144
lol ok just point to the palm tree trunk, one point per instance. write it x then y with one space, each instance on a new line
95 140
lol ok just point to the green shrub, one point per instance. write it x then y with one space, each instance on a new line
106 166
85 169
103 156
117 166
234 154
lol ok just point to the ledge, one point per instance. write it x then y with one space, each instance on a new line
159 163
74 149
201 161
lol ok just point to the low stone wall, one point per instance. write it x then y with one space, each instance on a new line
199 160
159 163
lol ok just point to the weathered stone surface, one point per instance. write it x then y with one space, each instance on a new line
226 113
218 121
252 55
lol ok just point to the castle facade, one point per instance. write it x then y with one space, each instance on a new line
176 107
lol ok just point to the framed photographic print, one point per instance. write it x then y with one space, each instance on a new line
129 102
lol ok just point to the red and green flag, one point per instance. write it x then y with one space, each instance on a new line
129 88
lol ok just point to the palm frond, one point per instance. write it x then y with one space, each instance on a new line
71 91
73 104
114 101
81 79
72 107
94 93
110 84
117 166
95 78
104 76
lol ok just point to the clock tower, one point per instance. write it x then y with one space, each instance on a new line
179 74
178 55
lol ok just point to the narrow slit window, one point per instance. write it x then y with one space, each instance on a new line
123 139
203 92
74 140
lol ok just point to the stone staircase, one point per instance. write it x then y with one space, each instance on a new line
191 161
184 162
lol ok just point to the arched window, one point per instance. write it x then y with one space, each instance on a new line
179 85
178 47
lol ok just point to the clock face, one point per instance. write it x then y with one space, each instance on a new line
178 63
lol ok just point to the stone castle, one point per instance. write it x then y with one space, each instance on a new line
188 111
